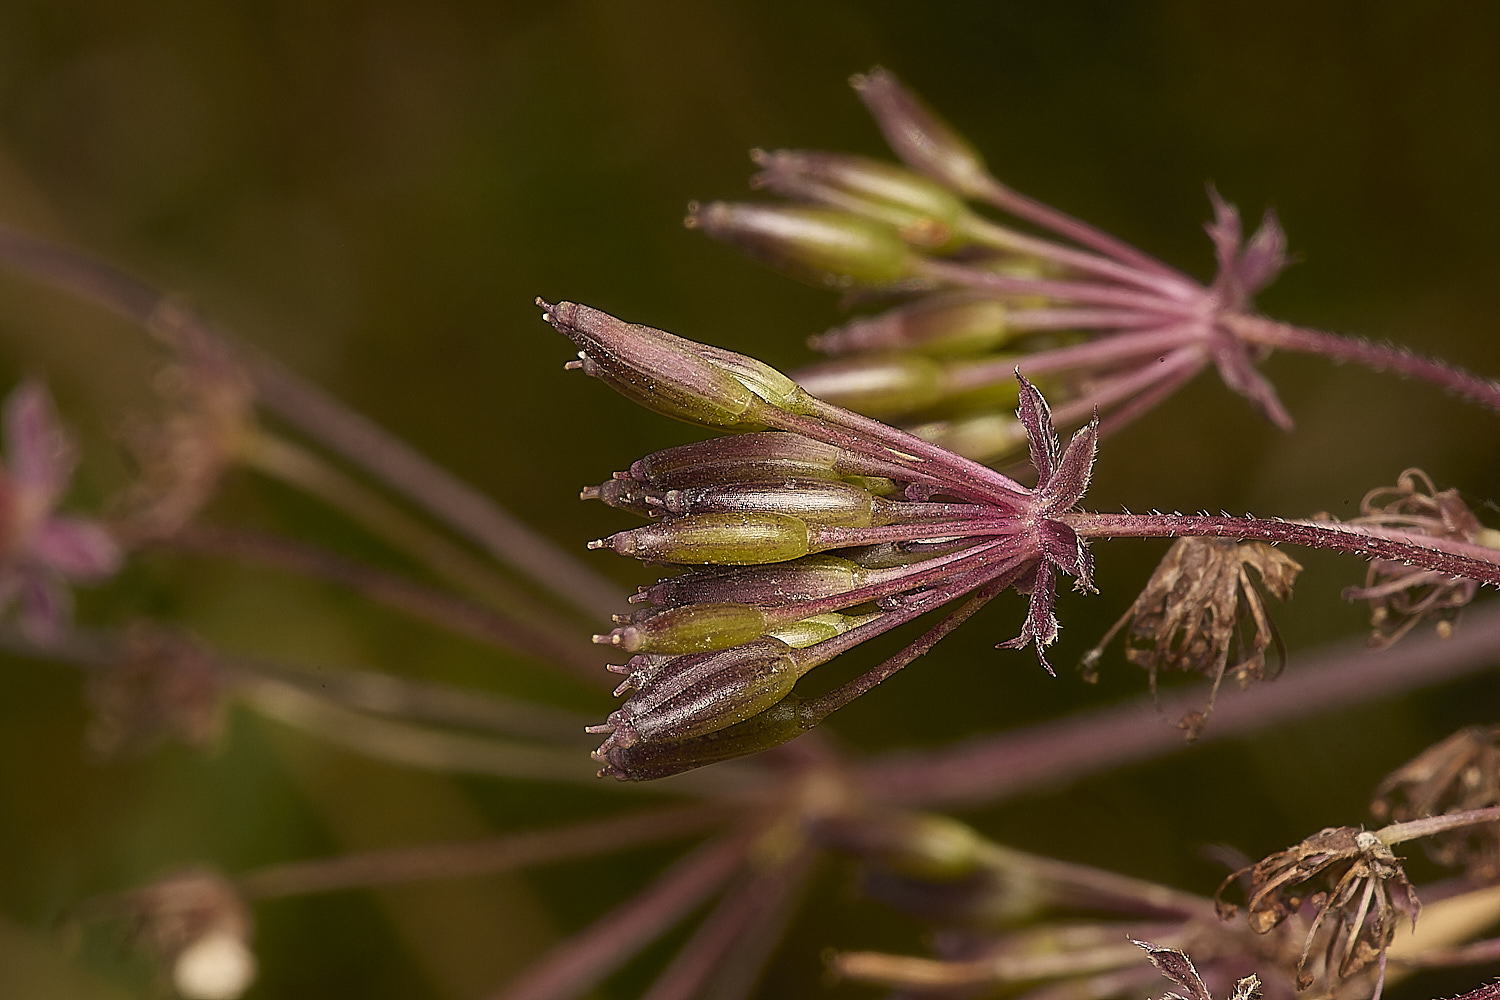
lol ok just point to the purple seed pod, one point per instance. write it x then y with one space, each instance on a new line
656 369
832 503
765 455
919 137
626 494
703 692
805 579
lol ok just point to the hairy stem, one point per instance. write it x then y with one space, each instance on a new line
1441 555
1380 357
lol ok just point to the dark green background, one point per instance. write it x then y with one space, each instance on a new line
376 191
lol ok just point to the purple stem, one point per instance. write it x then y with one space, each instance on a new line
445 496
1068 227
1049 756
1145 401
1094 354
954 588
1380 357
756 898
1180 365
1079 319
1002 237
479 857
578 964
399 465
1094 293
931 464
394 591
821 708
1441 555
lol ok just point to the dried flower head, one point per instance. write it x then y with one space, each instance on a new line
41 551
1203 607
1400 596
183 456
1459 774
196 925
1176 966
1364 889
165 686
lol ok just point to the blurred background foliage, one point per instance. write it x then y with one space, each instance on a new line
375 191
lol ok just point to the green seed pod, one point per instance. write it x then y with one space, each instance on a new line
818 628
815 244
877 385
704 692
656 369
917 845
960 323
722 539
925 213
805 579
830 503
782 722
984 438
692 628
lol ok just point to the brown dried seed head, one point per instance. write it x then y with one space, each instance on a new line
1458 774
1200 606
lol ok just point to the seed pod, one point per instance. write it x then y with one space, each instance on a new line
639 671
921 139
704 692
815 244
722 539
656 369
925 213
805 579
818 628
763 456
960 323
877 385
626 494
831 503
917 845
782 722
983 438
691 628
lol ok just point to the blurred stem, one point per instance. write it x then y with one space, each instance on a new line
322 417
416 746
516 634
920 973
479 857
998 237
580 963
1050 755
300 468
435 489
1380 357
